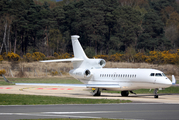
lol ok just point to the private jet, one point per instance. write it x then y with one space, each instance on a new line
94 76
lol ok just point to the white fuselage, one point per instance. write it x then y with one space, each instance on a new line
127 79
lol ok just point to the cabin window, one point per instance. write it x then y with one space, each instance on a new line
152 74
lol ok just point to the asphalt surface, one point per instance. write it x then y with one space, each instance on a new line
135 111
144 107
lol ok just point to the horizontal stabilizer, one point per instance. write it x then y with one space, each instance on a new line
63 60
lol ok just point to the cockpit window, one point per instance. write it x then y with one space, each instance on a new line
158 74
163 74
152 74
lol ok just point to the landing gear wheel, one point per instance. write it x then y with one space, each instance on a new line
155 96
124 93
96 92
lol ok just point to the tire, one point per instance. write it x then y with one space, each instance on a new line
96 92
124 93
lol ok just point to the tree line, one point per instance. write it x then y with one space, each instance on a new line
105 27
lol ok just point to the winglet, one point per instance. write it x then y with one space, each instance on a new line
173 80
7 80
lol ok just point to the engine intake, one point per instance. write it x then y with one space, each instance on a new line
81 73
97 63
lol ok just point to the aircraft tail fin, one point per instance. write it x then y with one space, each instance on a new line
77 48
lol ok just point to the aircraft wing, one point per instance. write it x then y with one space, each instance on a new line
68 85
73 85
52 84
63 60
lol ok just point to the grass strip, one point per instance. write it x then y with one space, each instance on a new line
169 90
16 99
74 119
67 80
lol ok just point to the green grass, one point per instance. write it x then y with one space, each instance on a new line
147 91
15 99
74 119
67 80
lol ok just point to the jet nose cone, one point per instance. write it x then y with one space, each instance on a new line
167 82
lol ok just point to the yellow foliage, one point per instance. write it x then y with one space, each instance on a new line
115 57
56 55
4 55
28 57
1 58
105 57
140 57
13 56
154 57
2 71
54 73
36 56
64 56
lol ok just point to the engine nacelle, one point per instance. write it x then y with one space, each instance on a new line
97 63
81 73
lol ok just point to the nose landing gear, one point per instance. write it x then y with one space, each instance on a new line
155 93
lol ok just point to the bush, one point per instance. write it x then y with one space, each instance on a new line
56 55
105 57
1 58
140 57
13 57
2 71
38 56
54 73
64 56
28 57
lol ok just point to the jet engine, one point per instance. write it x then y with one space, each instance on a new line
81 73
97 63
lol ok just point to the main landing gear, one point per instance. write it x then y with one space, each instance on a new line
96 92
124 93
